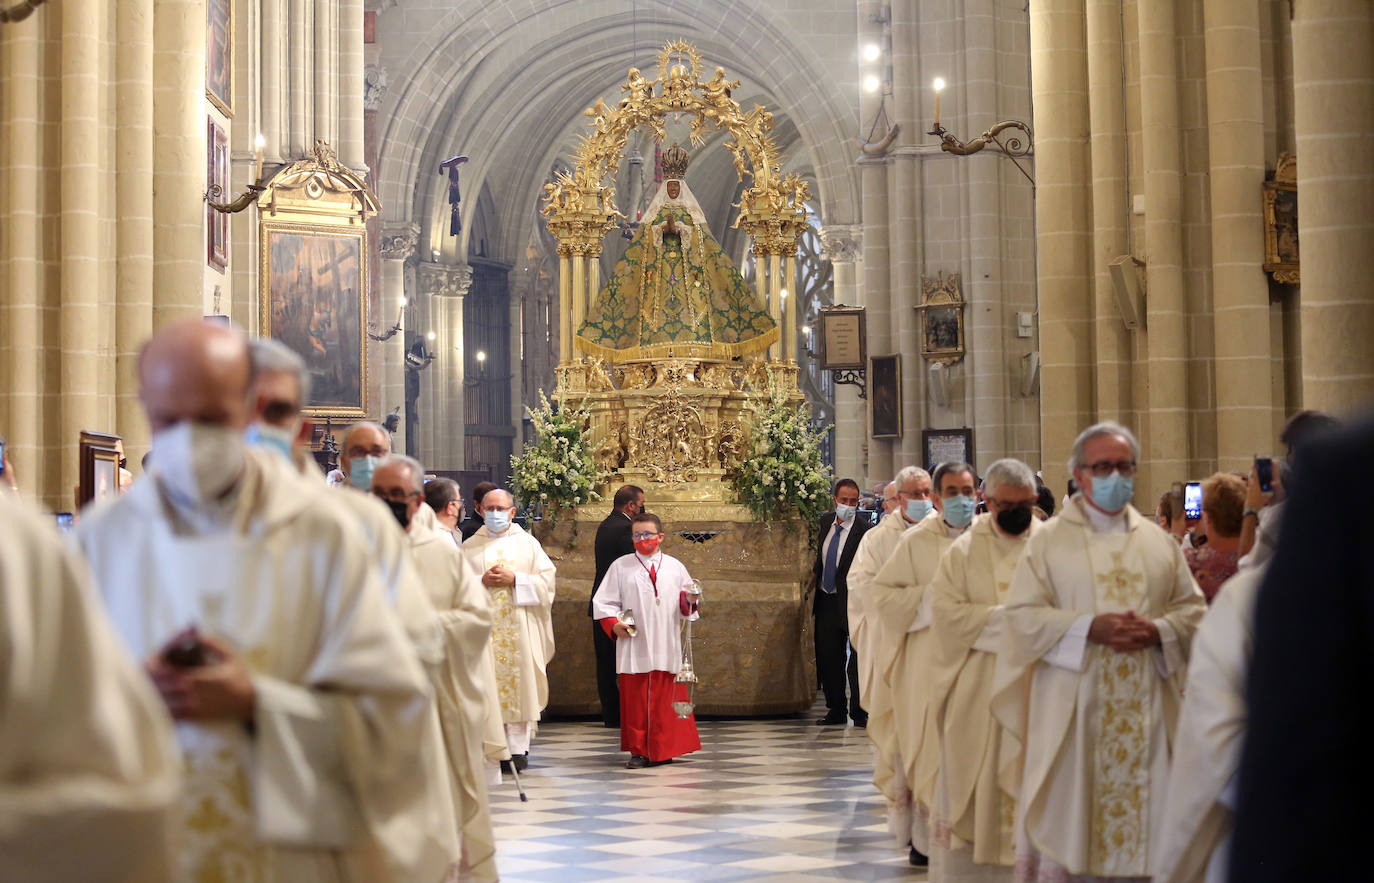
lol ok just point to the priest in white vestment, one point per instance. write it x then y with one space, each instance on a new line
902 616
1207 745
972 831
459 682
1100 615
265 628
89 766
519 578
907 501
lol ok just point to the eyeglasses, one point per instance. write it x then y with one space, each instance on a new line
643 535
394 495
1104 468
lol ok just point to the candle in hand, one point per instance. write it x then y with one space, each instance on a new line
259 143
939 87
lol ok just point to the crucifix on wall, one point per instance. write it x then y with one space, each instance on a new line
455 196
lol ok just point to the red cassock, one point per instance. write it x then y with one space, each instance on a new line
648 724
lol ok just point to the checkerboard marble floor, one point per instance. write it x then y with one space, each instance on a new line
779 799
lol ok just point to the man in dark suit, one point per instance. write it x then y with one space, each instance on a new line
612 542
1305 777
473 523
841 531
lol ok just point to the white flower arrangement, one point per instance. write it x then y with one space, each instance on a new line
557 470
785 478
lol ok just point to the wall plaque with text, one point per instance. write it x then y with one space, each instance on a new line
844 338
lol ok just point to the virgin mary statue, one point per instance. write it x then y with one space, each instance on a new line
675 292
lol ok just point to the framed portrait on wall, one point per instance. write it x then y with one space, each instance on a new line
844 338
219 54
98 467
1280 195
885 395
313 299
946 446
217 182
942 318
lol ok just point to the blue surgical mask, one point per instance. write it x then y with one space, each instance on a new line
269 437
917 510
845 514
959 510
1113 492
360 472
496 521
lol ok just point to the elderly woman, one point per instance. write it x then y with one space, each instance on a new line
1223 506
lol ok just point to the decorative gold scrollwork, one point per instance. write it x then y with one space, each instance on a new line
669 443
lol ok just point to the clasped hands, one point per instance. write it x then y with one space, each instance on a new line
1123 632
221 689
498 576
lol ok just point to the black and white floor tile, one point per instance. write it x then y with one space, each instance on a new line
778 799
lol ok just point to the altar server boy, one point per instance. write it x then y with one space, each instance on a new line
648 652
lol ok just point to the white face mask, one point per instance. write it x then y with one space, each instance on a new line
197 462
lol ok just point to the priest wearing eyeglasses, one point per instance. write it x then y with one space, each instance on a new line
1099 619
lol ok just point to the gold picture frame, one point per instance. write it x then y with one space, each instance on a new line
942 318
313 298
219 55
1281 222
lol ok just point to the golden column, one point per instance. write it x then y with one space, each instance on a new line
1333 74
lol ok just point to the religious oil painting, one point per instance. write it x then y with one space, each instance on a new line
98 467
885 395
219 54
316 305
216 175
1281 222
942 318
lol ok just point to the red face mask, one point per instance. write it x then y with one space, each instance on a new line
647 547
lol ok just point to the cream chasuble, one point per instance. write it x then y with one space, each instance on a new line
877 648
89 766
461 687
522 624
1207 745
967 593
326 787
1088 743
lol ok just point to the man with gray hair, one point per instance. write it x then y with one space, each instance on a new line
519 578
464 685
1099 622
971 838
907 501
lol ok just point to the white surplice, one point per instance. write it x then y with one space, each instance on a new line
902 617
1207 744
463 692
522 625
1088 742
325 785
876 648
89 767
973 837
658 616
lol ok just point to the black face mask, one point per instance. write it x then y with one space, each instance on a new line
401 511
1015 521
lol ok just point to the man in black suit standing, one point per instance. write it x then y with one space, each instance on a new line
612 542
841 531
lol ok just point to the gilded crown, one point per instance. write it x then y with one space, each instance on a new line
675 161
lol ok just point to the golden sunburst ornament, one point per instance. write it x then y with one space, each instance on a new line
670 61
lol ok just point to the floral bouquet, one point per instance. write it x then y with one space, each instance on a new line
784 478
556 471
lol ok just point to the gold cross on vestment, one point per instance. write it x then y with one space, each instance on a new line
1119 584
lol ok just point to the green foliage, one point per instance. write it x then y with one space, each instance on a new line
557 471
784 479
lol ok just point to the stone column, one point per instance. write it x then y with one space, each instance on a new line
877 293
905 335
1111 339
519 292
1165 443
270 110
179 159
442 420
398 245
1334 100
134 228
841 247
1063 237
1240 291
350 83
300 49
